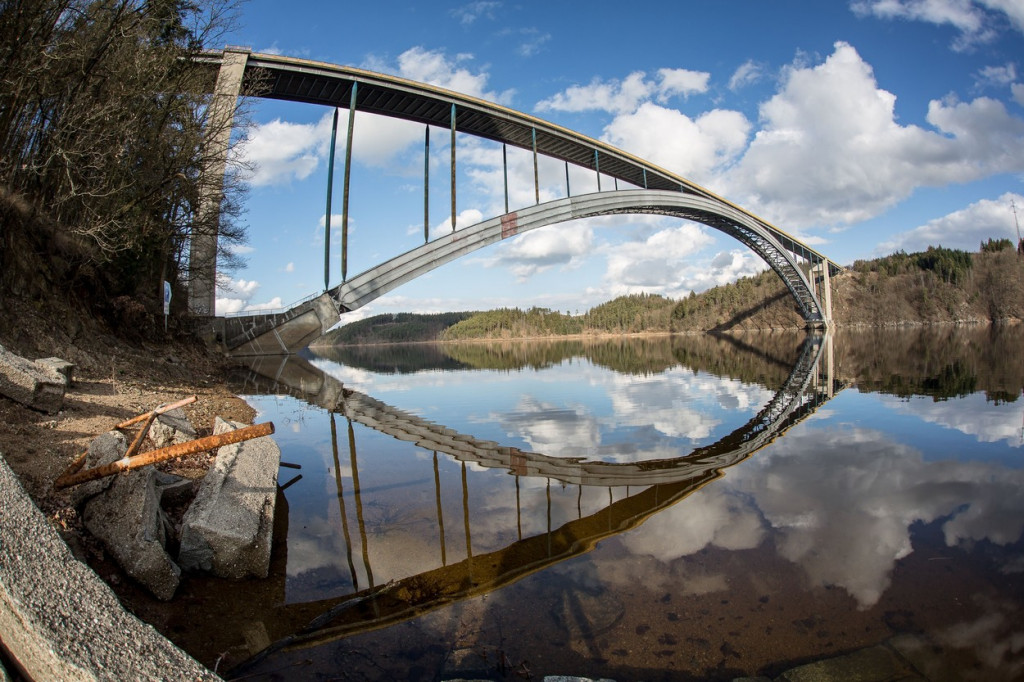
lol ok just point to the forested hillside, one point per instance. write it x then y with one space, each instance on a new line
392 328
937 285
104 142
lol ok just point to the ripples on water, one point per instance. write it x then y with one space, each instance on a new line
655 509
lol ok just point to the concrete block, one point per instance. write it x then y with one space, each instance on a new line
37 386
104 449
128 519
63 367
229 527
171 428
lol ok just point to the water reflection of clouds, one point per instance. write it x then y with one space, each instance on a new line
550 429
682 404
972 415
646 415
842 513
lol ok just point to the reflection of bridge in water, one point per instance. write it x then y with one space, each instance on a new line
653 485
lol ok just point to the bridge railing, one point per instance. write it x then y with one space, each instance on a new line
273 311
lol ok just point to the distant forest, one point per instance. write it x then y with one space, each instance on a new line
938 285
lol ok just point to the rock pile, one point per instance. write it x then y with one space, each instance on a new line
227 529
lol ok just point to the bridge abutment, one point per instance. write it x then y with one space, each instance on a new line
282 333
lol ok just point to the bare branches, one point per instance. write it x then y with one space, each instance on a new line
102 116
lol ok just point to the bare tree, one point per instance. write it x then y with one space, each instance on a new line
104 141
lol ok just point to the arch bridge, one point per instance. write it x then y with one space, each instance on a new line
647 189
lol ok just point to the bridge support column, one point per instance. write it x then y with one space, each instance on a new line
823 281
203 248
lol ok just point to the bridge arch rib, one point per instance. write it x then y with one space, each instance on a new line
377 281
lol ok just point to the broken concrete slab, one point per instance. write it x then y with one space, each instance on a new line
104 449
174 489
37 386
128 519
229 527
63 367
171 428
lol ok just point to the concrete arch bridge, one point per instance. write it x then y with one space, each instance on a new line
647 189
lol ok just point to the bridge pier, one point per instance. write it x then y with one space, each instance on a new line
202 292
822 281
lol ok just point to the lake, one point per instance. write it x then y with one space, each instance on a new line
688 507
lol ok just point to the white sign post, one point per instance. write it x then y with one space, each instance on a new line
167 302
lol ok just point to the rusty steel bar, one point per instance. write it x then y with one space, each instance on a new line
80 460
163 454
159 410
133 449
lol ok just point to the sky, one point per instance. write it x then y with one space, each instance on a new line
860 126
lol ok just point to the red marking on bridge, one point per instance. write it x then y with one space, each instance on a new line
518 464
509 225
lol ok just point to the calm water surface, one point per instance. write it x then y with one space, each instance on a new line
684 508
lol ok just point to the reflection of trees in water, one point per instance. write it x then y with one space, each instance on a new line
395 358
744 357
937 361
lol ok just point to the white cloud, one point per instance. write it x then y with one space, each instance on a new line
625 96
653 264
967 17
437 68
831 152
532 41
275 303
290 267
978 21
694 148
998 75
681 82
963 229
544 248
235 296
748 73
469 13
279 152
466 218
1018 93
335 220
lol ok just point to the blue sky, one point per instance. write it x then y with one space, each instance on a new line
862 127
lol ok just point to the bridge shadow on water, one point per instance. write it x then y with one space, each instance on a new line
645 488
